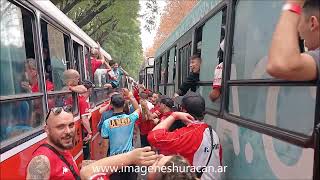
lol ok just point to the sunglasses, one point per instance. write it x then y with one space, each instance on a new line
57 110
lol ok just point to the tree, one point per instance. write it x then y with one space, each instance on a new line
150 14
174 13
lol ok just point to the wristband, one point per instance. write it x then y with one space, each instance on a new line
292 7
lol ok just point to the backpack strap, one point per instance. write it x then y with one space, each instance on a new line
200 171
62 158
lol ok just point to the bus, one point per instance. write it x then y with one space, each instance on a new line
38 39
146 73
268 128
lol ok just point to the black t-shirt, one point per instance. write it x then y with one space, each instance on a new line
190 83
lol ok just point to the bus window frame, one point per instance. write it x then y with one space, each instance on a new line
69 55
286 135
37 44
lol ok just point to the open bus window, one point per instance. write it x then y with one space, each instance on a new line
164 64
210 42
86 67
20 117
55 54
16 46
78 58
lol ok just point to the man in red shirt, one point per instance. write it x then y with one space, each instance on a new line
197 142
33 78
52 160
85 113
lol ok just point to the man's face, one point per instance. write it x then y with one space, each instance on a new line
30 72
115 66
76 80
195 65
162 107
61 130
154 98
308 29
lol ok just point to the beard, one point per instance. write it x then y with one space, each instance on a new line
59 142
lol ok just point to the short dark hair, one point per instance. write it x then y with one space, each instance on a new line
167 101
194 104
112 62
117 101
195 57
311 8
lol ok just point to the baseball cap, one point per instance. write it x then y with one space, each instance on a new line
193 103
166 100
88 84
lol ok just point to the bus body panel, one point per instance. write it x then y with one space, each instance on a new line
15 166
98 145
251 155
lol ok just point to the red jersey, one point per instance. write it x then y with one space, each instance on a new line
163 116
84 106
192 142
136 94
58 169
95 64
49 85
146 125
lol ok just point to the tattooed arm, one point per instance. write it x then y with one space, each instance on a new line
39 168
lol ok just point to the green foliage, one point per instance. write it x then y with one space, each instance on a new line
116 28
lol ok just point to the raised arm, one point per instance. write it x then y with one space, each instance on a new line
132 99
78 89
285 60
124 72
38 168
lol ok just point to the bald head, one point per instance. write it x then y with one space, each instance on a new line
71 77
60 129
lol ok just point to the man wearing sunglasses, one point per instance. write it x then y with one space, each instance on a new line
52 160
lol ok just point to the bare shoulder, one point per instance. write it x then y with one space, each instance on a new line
39 168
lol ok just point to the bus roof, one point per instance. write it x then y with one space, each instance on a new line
202 8
47 7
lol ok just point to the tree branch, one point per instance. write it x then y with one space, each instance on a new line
103 36
86 18
69 6
102 24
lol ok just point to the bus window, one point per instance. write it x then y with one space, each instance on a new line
252 35
16 46
164 65
184 54
288 107
171 72
55 54
78 58
60 100
20 117
86 67
210 43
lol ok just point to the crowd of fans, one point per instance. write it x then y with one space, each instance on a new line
172 129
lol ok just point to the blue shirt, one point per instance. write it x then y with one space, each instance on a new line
119 130
105 115
118 73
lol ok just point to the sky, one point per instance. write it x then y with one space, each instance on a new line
147 37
